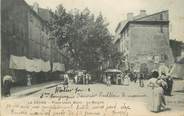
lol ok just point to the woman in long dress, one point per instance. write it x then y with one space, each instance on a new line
127 79
108 80
156 98
29 80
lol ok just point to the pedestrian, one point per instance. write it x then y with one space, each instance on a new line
131 76
141 83
66 81
122 78
135 76
169 81
127 79
84 78
164 78
156 98
76 79
7 83
118 79
29 80
108 80
87 78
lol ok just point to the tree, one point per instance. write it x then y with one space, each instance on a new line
86 38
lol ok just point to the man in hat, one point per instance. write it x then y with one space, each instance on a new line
169 82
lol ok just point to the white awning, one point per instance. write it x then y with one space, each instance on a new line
38 65
17 62
30 65
58 67
45 66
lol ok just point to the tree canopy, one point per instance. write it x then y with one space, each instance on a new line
86 37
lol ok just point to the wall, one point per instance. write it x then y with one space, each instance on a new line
24 33
148 41
160 16
14 31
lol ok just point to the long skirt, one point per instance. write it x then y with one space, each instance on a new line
126 81
7 86
156 99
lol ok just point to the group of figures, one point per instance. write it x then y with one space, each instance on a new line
124 78
8 83
84 78
80 78
161 86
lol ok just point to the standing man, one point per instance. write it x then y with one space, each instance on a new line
66 81
108 80
169 81
7 83
141 83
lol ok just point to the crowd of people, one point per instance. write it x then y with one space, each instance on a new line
160 83
82 78
124 78
78 78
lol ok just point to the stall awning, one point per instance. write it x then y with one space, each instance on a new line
30 65
17 62
58 67
38 65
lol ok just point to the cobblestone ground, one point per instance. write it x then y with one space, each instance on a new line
130 93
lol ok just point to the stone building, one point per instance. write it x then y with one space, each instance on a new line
144 40
25 34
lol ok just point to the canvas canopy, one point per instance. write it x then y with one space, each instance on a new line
58 67
37 65
17 62
46 66
30 65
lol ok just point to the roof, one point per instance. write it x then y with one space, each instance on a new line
34 13
45 14
136 19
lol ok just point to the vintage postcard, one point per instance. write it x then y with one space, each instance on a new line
92 58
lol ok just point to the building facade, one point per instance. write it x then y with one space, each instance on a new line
25 33
144 40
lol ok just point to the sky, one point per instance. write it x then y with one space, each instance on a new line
115 11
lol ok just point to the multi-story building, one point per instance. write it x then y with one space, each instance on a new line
25 33
144 40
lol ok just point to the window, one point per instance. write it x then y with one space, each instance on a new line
161 16
161 28
127 31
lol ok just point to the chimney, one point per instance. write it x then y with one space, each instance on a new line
130 16
142 13
36 7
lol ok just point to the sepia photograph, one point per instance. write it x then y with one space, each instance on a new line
92 58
